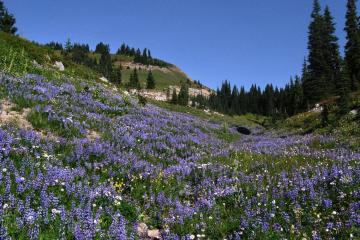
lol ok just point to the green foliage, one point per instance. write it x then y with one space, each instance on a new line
183 97
128 211
225 134
34 51
163 79
40 120
150 81
324 57
134 80
138 57
352 47
243 120
13 61
105 63
116 76
174 97
7 20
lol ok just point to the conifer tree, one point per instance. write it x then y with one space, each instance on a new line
68 45
168 94
343 90
116 76
234 101
304 81
352 47
315 87
331 53
134 80
150 81
174 98
7 20
183 97
2 10
297 96
105 63
102 48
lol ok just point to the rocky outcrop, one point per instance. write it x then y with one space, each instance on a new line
144 232
59 66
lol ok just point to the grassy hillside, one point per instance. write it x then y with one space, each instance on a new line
345 128
244 120
81 160
45 56
163 79
19 54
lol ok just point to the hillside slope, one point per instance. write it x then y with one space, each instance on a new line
45 56
81 159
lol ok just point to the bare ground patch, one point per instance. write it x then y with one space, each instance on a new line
10 116
93 135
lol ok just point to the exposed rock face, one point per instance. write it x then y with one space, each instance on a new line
154 234
104 79
317 109
7 115
354 112
142 230
59 66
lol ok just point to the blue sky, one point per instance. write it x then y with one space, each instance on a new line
244 41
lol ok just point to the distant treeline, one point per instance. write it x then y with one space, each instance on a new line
325 74
143 57
81 54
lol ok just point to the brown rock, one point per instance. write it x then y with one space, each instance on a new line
142 230
154 234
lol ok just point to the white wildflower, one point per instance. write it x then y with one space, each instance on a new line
55 211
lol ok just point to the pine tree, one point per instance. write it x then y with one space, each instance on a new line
183 97
134 80
304 82
234 101
68 45
102 48
268 108
168 94
331 53
352 47
144 54
122 50
174 98
150 81
7 20
343 90
315 87
116 76
105 63
2 11
297 96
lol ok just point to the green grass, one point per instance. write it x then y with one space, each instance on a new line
33 50
17 55
250 120
40 121
162 79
